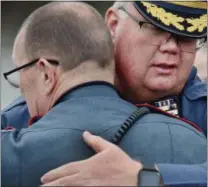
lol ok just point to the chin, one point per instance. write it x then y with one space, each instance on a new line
163 88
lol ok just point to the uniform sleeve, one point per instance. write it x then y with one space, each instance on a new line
29 153
15 115
10 162
184 175
205 123
4 122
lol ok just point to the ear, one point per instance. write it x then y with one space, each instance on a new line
47 78
111 20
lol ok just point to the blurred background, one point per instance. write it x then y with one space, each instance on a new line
13 13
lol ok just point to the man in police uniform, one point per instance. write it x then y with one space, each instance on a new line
155 46
174 32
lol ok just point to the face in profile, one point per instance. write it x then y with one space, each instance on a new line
27 77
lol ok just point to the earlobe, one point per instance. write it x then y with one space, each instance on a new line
111 20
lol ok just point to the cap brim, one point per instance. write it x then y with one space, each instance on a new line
174 18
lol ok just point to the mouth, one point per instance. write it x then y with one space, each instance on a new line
164 68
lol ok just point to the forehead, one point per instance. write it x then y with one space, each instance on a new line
18 53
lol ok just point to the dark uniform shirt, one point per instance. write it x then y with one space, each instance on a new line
194 104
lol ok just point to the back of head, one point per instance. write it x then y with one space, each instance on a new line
70 32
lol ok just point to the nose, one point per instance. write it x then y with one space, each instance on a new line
170 45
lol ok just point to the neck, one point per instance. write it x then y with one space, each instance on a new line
146 96
142 95
86 73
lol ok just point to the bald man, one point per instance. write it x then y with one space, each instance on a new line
66 76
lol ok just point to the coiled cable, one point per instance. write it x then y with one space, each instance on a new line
138 113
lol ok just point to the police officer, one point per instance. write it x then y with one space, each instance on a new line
154 67
167 35
155 46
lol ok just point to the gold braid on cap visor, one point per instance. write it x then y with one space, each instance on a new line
172 19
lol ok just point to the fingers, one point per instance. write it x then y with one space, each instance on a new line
97 143
64 181
62 171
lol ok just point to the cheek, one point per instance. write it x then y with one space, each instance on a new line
134 55
27 83
23 83
187 61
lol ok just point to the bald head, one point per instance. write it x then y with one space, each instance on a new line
70 32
